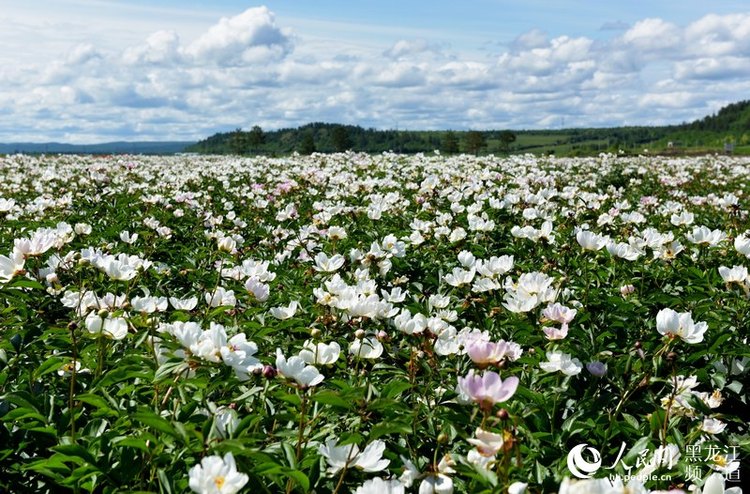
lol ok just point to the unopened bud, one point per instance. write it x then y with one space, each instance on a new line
103 313
359 334
269 372
315 332
502 414
442 438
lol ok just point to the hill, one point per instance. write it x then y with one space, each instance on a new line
709 134
142 147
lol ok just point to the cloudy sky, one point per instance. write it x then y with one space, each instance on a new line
86 71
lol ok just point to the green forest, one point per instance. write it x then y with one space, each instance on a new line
726 131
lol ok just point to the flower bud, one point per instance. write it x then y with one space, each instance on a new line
269 372
359 334
315 332
596 368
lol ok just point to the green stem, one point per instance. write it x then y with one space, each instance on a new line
72 391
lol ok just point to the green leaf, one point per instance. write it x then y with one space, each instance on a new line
49 365
149 418
331 398
75 451
391 427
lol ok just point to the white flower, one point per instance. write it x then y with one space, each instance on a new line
297 369
225 421
439 482
11 266
684 218
715 484
320 353
671 323
215 475
336 233
559 361
713 426
112 327
459 277
328 265
128 238
369 460
517 488
742 245
338 457
258 289
380 486
220 297
184 303
624 251
82 228
736 274
559 313
149 305
704 236
369 348
466 259
590 240
285 312
238 353
227 244
487 443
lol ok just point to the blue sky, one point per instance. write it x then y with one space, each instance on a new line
99 70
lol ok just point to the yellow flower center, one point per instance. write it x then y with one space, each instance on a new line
721 460
219 481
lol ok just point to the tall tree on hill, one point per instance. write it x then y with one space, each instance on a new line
256 138
307 146
449 144
238 141
341 139
506 139
474 141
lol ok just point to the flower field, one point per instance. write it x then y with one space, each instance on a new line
374 324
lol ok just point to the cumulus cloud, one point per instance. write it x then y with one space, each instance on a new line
651 35
159 48
249 69
251 36
406 47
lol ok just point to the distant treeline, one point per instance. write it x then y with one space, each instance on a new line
730 124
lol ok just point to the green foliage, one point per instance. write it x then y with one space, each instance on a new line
84 412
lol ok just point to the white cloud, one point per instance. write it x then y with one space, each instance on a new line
162 47
650 35
249 37
180 82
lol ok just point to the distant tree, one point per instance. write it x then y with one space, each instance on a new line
449 144
474 141
256 138
308 143
238 141
506 139
341 139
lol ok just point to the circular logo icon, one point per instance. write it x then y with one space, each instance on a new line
578 466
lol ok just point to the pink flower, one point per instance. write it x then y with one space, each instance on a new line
559 313
488 388
553 333
485 353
